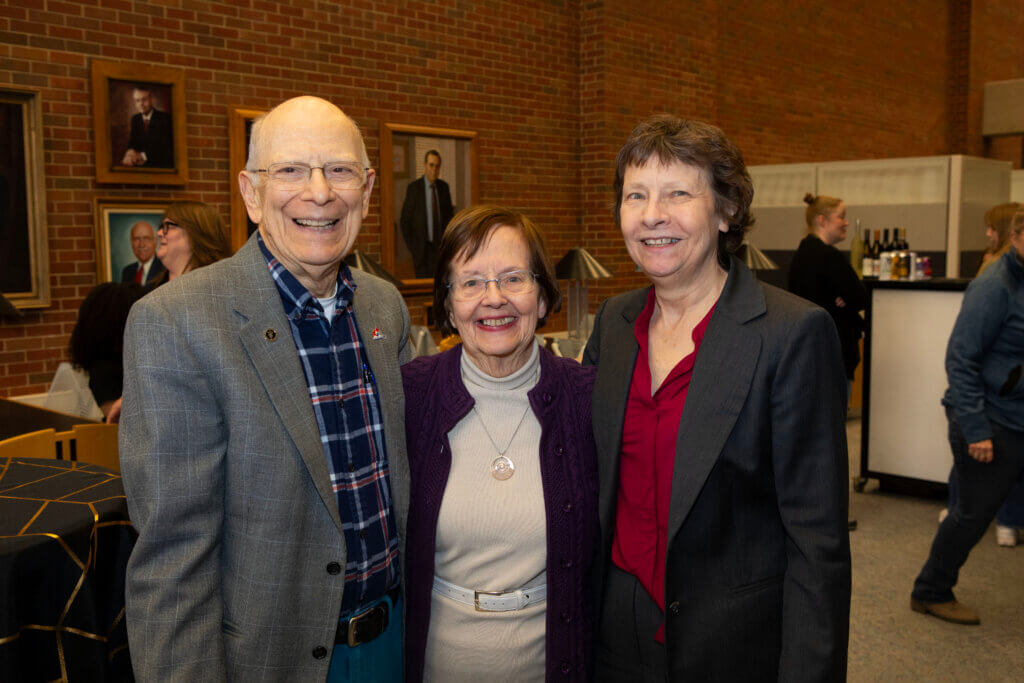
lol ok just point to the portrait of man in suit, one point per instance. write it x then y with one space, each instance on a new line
426 211
263 435
147 267
151 140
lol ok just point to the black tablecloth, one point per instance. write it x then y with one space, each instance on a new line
64 545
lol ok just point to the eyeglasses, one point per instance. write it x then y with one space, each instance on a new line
512 282
341 175
166 225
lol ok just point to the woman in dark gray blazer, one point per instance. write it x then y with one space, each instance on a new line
718 411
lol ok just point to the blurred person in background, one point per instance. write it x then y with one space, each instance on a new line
985 409
1010 519
97 341
192 235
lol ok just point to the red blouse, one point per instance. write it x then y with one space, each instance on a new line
646 462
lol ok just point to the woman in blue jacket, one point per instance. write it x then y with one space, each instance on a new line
985 407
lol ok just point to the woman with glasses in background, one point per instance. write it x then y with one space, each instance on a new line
503 509
192 235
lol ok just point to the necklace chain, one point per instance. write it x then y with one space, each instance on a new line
501 452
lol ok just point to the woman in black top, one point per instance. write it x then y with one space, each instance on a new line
822 275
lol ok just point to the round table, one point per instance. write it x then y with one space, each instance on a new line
65 539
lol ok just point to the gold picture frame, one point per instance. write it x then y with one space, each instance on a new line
113 225
120 124
459 169
25 280
240 121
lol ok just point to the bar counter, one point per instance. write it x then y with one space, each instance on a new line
903 424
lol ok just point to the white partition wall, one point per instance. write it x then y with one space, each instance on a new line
939 200
909 332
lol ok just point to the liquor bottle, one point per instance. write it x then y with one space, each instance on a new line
886 244
903 239
876 254
857 251
868 263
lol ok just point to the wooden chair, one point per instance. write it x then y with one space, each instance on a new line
31 445
97 444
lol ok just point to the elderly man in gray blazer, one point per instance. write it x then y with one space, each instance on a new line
262 437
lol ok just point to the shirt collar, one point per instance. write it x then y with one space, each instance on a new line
297 298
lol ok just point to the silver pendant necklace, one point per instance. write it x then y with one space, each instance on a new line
502 467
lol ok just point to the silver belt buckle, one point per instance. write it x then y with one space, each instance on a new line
476 598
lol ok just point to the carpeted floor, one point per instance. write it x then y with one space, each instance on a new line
889 642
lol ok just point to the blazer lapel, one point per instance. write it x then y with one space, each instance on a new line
266 335
615 373
722 374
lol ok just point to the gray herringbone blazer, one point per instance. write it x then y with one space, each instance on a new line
227 481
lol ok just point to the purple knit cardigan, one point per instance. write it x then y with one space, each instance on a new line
436 400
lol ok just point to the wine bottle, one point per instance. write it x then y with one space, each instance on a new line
876 254
857 251
886 244
868 262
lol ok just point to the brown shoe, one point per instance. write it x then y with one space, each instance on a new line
951 611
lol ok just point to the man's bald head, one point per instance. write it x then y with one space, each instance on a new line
143 241
294 115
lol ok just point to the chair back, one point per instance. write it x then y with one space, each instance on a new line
31 445
97 444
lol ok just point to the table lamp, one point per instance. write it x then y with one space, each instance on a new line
578 266
359 260
755 259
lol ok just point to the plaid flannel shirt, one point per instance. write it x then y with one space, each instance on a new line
344 397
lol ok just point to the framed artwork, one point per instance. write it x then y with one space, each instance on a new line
25 274
116 219
415 161
139 124
240 122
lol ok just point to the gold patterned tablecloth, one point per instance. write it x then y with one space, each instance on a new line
65 539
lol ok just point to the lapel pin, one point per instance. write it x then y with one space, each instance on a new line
376 334
270 334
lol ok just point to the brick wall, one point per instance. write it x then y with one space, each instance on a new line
552 88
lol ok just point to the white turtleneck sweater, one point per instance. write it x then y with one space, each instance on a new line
491 535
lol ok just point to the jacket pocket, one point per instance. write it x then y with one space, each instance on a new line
760 584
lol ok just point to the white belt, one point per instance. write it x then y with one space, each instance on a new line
487 601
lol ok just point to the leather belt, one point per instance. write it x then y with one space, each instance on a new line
368 624
491 601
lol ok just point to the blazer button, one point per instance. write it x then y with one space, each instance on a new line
333 568
674 607
319 652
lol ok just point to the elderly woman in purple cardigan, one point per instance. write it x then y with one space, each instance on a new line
503 512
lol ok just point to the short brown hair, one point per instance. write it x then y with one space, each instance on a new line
467 232
695 143
205 230
818 205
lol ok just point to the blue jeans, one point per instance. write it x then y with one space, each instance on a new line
1011 514
378 661
982 489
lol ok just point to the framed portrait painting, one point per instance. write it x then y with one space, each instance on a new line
126 234
25 270
139 124
426 175
240 122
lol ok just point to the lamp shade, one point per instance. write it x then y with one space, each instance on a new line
755 259
359 260
578 264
